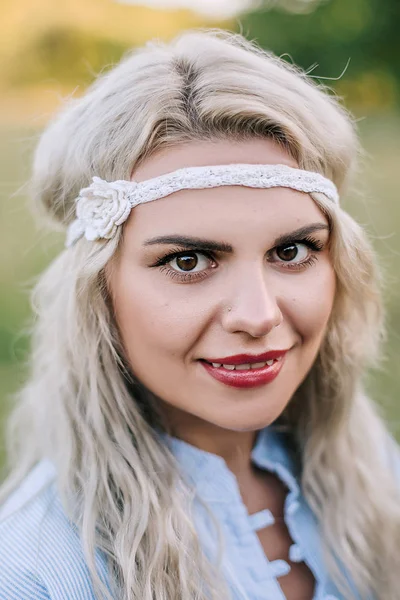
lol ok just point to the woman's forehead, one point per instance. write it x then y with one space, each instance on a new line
212 152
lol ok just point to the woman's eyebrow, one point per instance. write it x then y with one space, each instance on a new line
196 243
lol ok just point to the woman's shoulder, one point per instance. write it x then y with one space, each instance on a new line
41 554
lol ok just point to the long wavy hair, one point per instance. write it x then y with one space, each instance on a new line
117 481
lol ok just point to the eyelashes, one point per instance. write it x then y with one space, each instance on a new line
313 246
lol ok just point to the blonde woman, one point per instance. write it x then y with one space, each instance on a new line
194 424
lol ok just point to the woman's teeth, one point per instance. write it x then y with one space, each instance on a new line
245 366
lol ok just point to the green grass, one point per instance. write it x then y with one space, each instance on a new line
25 251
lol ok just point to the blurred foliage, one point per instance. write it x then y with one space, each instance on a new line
364 31
65 52
69 44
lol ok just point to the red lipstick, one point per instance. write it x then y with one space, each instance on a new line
246 378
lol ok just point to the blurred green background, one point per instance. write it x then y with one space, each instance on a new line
48 52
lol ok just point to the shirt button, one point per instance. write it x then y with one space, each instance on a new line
279 568
262 519
296 554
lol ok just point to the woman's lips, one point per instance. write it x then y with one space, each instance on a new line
247 378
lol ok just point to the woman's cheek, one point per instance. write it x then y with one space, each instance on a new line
312 305
149 321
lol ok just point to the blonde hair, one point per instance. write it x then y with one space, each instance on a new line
116 479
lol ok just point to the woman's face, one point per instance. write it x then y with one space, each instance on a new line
259 293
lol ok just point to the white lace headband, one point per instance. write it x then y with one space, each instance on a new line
103 206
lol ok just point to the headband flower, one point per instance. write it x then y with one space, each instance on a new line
100 209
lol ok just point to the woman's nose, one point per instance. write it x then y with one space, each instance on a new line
253 306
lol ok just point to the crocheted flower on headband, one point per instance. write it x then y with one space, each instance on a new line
100 208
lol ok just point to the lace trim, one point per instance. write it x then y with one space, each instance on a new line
103 206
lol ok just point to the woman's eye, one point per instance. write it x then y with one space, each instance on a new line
292 252
188 262
186 266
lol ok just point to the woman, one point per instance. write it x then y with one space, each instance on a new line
194 424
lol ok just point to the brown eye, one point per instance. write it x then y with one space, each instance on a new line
187 266
287 252
186 262
292 251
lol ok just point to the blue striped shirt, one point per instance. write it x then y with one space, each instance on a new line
41 554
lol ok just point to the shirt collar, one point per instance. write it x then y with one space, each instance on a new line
210 475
